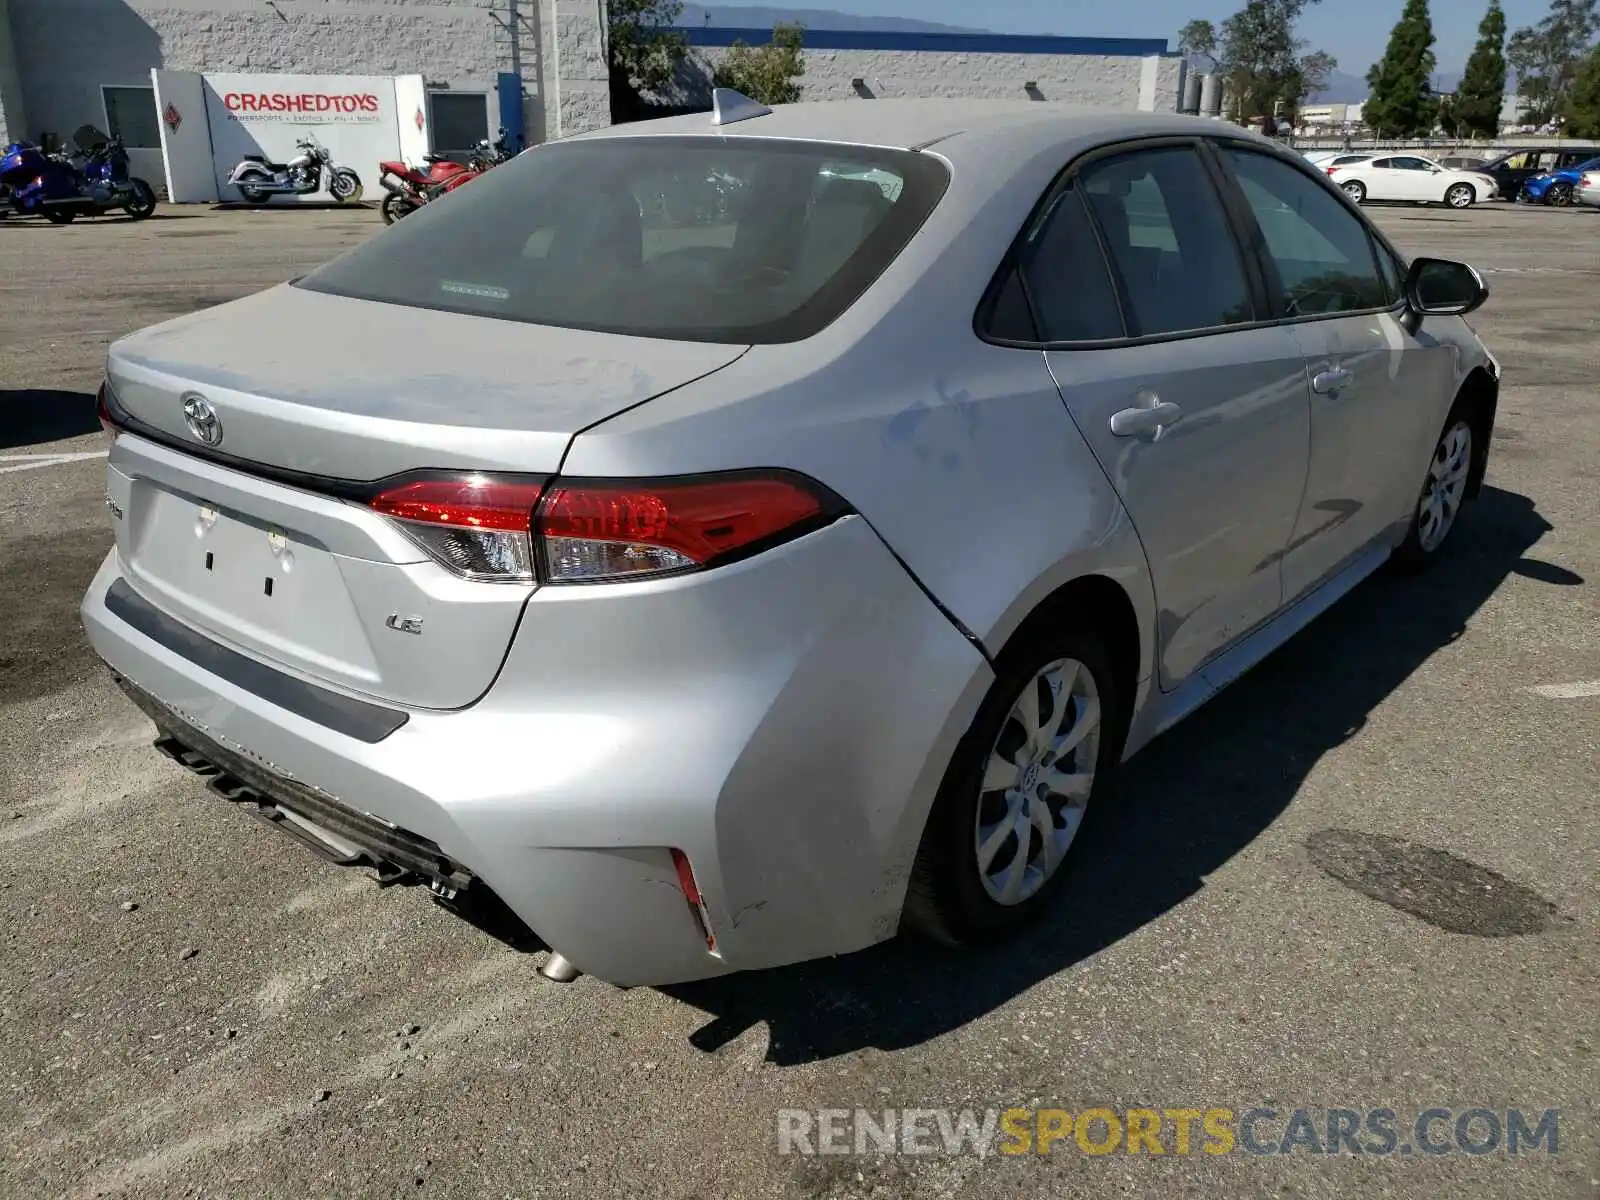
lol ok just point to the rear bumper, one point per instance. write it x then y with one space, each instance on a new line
784 722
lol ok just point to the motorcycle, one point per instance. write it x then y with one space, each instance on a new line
259 180
55 187
409 188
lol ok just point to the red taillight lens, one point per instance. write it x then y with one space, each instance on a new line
691 893
607 531
485 527
1331 170
102 406
478 526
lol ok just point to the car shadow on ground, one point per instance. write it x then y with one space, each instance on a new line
34 416
1178 811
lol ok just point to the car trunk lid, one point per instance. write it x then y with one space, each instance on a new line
263 540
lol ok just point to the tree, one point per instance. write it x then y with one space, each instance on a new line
1198 37
1402 102
1447 117
1260 58
1481 93
766 73
1548 56
1583 103
643 51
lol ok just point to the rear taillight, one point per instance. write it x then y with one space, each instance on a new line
691 892
499 529
478 526
102 406
592 531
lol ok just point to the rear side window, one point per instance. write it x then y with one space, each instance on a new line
1320 250
1073 299
738 240
1174 258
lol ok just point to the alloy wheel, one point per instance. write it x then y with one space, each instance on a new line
1460 196
1444 487
1037 780
1355 191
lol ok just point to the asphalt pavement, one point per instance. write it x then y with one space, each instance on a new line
1366 877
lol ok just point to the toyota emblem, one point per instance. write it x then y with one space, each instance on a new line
202 419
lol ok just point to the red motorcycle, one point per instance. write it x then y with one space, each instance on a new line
410 188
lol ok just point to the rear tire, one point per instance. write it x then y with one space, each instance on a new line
1461 195
1443 494
252 195
1356 190
975 881
394 207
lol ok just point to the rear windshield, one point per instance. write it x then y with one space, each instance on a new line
739 240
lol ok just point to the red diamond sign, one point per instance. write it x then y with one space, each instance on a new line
173 117
420 120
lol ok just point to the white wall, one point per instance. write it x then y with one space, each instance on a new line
1108 80
66 49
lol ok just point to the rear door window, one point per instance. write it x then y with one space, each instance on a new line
1173 256
740 240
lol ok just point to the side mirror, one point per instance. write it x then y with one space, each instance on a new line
1437 287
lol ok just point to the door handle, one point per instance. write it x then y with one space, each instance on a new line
1330 383
1147 419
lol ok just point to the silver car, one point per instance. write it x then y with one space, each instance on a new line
732 589
1589 189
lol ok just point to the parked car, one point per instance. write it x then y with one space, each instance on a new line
1589 189
1411 178
718 596
1462 162
1513 169
1559 189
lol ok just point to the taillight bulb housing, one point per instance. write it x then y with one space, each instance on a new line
521 530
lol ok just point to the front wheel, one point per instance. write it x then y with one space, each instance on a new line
1444 490
1461 195
1017 789
1356 190
142 202
344 185
1560 195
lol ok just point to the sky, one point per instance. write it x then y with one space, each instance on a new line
1353 31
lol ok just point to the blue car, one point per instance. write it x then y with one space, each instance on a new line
1558 188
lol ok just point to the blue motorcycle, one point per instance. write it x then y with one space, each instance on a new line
55 187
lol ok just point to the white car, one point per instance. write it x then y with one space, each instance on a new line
1411 178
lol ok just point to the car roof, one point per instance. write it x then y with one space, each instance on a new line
913 124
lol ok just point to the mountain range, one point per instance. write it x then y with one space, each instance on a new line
1341 88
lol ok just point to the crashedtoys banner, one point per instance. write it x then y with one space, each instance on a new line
210 122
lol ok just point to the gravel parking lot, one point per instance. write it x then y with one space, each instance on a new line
1367 876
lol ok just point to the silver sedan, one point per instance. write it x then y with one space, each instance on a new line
731 582
1589 189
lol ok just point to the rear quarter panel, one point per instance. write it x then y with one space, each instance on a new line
959 453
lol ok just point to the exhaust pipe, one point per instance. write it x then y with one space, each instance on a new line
558 970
